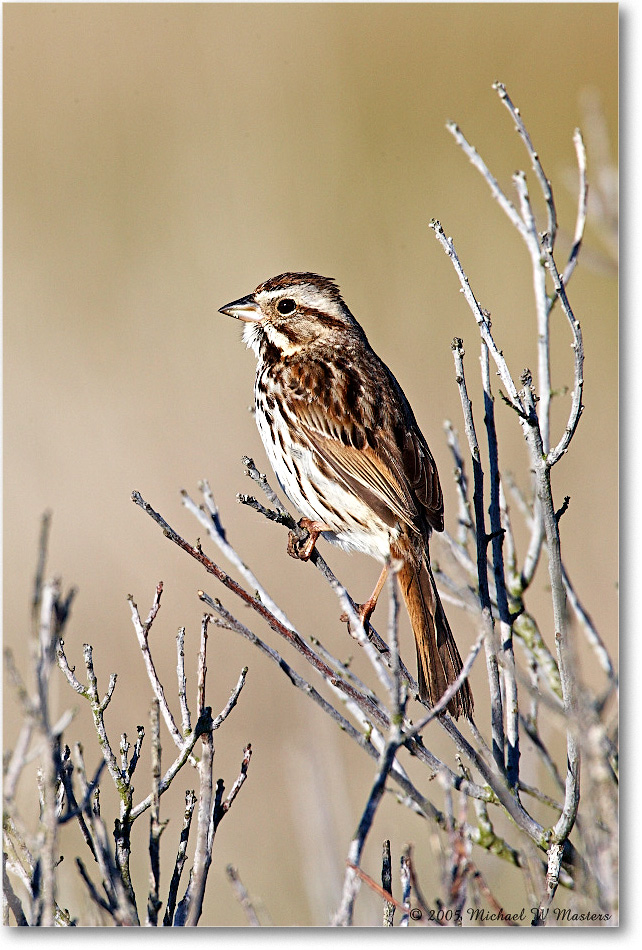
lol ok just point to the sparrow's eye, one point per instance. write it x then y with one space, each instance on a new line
286 306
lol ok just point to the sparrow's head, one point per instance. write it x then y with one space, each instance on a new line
293 311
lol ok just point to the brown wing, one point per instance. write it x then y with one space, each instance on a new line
364 430
420 468
362 470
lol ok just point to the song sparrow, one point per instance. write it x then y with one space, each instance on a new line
347 450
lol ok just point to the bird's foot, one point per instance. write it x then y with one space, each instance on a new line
364 612
302 548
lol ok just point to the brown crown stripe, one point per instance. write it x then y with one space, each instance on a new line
288 280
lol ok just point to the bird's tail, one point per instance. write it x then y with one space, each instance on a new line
438 660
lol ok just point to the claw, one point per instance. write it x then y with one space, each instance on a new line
364 612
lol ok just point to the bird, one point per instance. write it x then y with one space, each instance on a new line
347 451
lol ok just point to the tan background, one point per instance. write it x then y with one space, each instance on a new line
161 160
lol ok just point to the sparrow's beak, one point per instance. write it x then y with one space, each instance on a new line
245 309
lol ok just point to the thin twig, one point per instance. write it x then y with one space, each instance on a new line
242 896
181 856
497 713
578 356
202 853
534 157
155 826
344 914
236 788
182 682
211 521
386 883
232 701
142 633
582 207
510 699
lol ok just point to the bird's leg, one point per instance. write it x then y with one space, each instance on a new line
302 549
366 609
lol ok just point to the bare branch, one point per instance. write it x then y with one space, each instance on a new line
13 901
203 724
232 701
181 856
210 520
582 207
236 788
481 318
510 701
182 682
578 355
497 712
477 161
242 896
202 854
343 916
155 826
142 633
544 183
386 883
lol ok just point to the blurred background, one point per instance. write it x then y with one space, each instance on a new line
163 159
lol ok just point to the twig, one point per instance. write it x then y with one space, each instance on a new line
253 473
236 788
497 713
465 516
181 856
226 620
232 701
361 710
581 613
96 704
43 547
229 622
589 628
404 874
582 207
477 878
202 854
534 157
91 888
344 914
386 883
474 157
481 318
378 889
242 895
142 633
10 896
578 356
555 853
443 701
155 826
542 472
182 682
375 648
211 521
456 872
202 667
510 699
76 810
287 632
18 756
202 726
